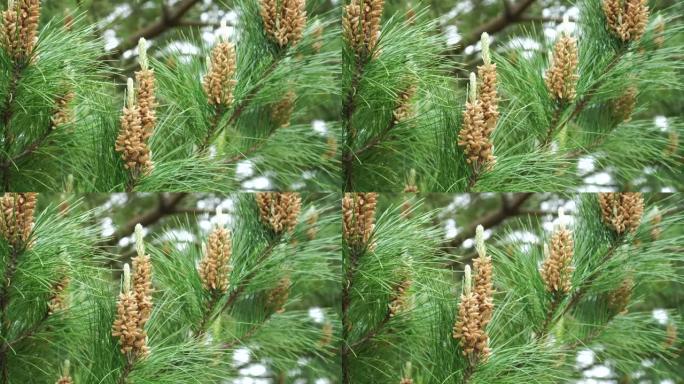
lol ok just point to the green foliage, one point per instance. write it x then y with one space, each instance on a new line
192 334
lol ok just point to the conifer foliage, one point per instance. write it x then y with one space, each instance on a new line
182 309
524 119
523 310
182 124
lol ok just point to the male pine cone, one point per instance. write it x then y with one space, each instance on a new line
285 24
561 78
279 210
16 217
20 28
214 266
627 19
358 215
219 82
361 25
621 212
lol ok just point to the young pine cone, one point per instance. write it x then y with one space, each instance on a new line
219 82
126 327
361 26
469 328
561 77
358 211
279 210
627 19
16 217
284 24
556 270
20 28
214 266
621 212
483 284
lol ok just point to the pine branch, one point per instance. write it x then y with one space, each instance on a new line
579 294
235 294
166 207
556 125
170 19
348 110
250 332
512 14
371 334
372 143
240 108
346 348
7 113
507 210
10 270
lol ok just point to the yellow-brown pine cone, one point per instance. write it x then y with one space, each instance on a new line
289 207
125 326
399 300
561 78
142 287
372 15
312 222
269 15
656 231
612 10
621 212
147 103
351 26
484 288
404 109
557 268
219 82
473 136
366 223
10 32
326 335
634 20
65 380
619 298
131 144
264 202
58 298
279 210
16 217
29 17
659 38
488 96
468 329
293 22
278 296
214 266
624 106
317 45
671 335
63 114
281 112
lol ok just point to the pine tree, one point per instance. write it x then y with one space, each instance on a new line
182 309
525 119
186 124
524 308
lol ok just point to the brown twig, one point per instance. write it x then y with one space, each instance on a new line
508 209
169 20
167 206
371 334
512 14
10 269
